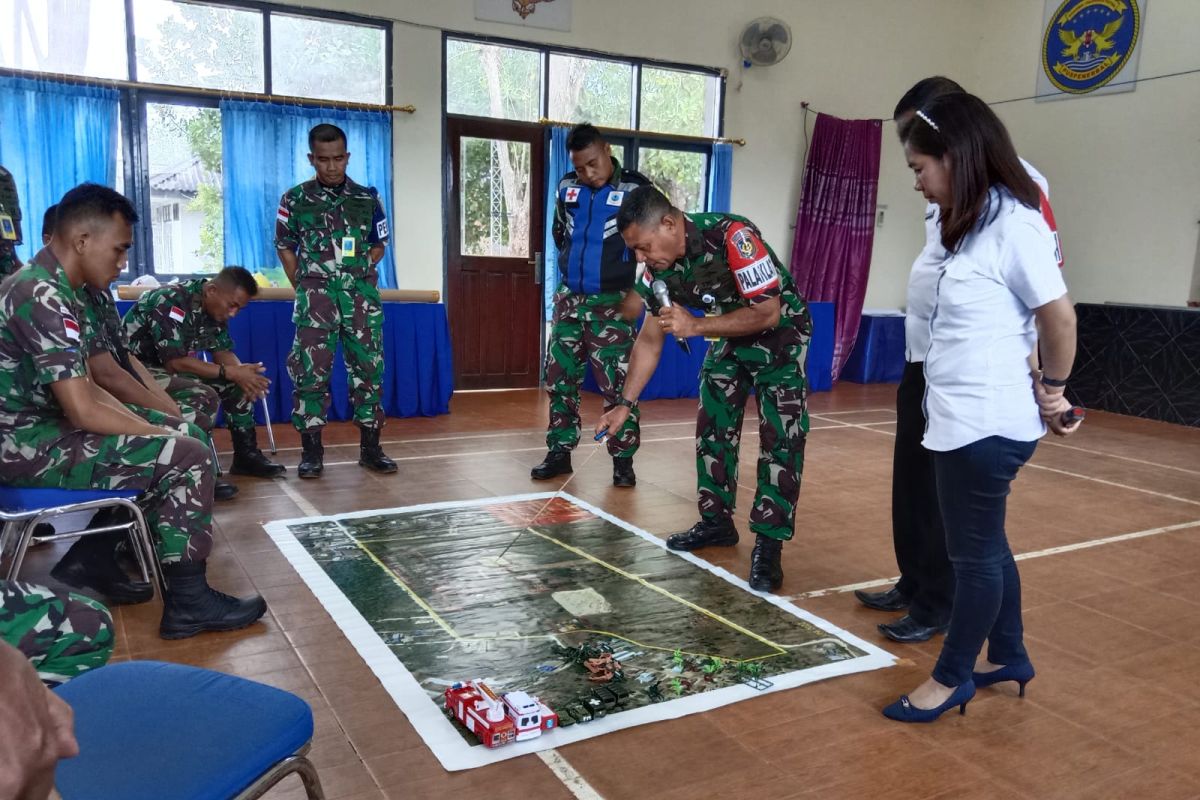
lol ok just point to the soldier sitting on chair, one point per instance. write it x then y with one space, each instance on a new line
169 324
90 562
58 429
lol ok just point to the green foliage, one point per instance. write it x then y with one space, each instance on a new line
208 201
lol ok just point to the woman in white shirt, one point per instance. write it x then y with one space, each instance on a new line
998 285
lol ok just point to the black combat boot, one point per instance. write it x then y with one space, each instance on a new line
192 606
705 533
623 472
766 569
91 563
248 459
370 454
557 462
312 458
223 490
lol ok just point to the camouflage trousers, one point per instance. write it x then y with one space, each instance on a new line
174 475
341 308
780 387
588 329
62 635
199 399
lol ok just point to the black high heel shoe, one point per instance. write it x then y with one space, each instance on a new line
904 711
1021 673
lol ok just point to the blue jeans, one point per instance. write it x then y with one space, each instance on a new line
973 485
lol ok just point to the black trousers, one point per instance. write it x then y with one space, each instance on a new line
926 575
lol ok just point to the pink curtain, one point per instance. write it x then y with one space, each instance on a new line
835 225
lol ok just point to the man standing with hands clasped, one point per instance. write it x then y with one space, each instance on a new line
330 234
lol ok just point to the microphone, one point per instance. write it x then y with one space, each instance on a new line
664 299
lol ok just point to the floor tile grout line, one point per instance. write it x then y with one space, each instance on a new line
1065 472
553 759
1049 551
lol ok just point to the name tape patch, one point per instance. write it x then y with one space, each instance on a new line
757 277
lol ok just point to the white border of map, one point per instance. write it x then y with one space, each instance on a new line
440 735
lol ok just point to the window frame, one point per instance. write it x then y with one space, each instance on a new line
132 113
633 139
637 62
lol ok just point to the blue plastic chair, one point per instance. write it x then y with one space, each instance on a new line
22 509
154 731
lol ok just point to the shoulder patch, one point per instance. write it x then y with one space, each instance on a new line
571 195
72 328
176 314
749 260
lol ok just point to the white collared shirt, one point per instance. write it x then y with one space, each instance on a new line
982 329
922 280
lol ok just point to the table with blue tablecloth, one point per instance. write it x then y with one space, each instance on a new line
878 355
418 375
678 373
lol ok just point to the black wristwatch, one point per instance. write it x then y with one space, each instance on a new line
624 401
1053 382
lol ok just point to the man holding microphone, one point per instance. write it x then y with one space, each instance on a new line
720 264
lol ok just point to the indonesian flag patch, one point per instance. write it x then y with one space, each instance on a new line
72 328
176 314
283 215
749 260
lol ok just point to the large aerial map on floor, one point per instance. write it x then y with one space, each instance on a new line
557 603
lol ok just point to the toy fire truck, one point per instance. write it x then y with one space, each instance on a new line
495 721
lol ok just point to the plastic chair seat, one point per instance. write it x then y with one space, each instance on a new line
20 499
148 730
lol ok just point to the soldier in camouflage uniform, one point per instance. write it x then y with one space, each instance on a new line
10 224
761 328
595 273
59 429
62 635
91 562
330 232
167 325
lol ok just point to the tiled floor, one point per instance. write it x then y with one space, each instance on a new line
1114 629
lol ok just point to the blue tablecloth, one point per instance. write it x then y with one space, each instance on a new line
678 373
878 355
418 375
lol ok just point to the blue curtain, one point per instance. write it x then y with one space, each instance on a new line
560 164
53 137
720 177
265 152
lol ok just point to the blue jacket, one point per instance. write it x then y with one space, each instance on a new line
592 257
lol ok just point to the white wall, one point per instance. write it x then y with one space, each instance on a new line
1126 200
1124 169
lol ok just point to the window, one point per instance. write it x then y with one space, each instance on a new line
674 101
486 80
494 202
184 160
90 40
169 140
199 45
591 90
508 82
329 60
680 174
655 107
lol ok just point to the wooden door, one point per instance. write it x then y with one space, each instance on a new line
496 210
